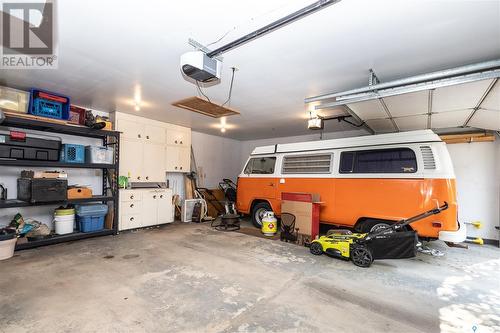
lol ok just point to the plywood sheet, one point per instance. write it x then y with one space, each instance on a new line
204 107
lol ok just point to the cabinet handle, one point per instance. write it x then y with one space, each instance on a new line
181 142
180 168
154 196
139 136
147 136
131 205
161 196
175 168
138 177
131 197
131 219
175 141
147 177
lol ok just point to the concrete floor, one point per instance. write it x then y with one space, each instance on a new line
189 278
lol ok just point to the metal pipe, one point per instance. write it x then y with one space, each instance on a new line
412 79
410 88
273 26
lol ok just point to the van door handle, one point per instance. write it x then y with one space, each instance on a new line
271 184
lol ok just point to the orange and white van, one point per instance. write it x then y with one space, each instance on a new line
364 182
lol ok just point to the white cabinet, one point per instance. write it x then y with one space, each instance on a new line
177 159
131 129
142 161
145 207
131 159
150 148
155 134
165 207
178 137
152 168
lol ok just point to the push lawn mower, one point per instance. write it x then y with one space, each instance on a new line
392 242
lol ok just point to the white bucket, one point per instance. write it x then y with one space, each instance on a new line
64 224
7 248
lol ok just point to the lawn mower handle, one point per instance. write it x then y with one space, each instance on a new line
404 222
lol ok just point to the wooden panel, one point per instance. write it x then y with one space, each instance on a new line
199 105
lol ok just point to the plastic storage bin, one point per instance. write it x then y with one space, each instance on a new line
91 217
14 100
48 104
47 108
97 154
91 223
71 153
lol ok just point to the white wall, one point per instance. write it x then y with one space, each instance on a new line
216 158
478 185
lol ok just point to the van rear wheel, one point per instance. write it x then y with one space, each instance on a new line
373 225
258 213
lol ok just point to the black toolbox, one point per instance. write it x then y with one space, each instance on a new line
21 146
41 189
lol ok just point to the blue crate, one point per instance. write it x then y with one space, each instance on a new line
45 108
71 153
91 210
35 94
91 223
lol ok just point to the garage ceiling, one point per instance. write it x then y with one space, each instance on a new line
109 49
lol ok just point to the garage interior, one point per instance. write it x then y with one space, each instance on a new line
250 166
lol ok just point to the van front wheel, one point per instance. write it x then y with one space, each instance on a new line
258 213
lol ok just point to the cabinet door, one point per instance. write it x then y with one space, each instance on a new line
131 159
172 158
176 137
130 129
129 222
154 134
153 162
165 213
149 208
184 159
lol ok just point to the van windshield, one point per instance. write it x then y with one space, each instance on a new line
260 165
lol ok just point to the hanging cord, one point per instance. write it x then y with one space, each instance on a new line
230 87
201 91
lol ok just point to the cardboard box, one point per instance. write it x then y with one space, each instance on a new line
305 207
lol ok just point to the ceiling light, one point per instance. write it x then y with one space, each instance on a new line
223 129
137 107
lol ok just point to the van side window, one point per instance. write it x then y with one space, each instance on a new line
394 160
260 165
311 163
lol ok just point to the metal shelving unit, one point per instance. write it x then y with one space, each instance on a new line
109 175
